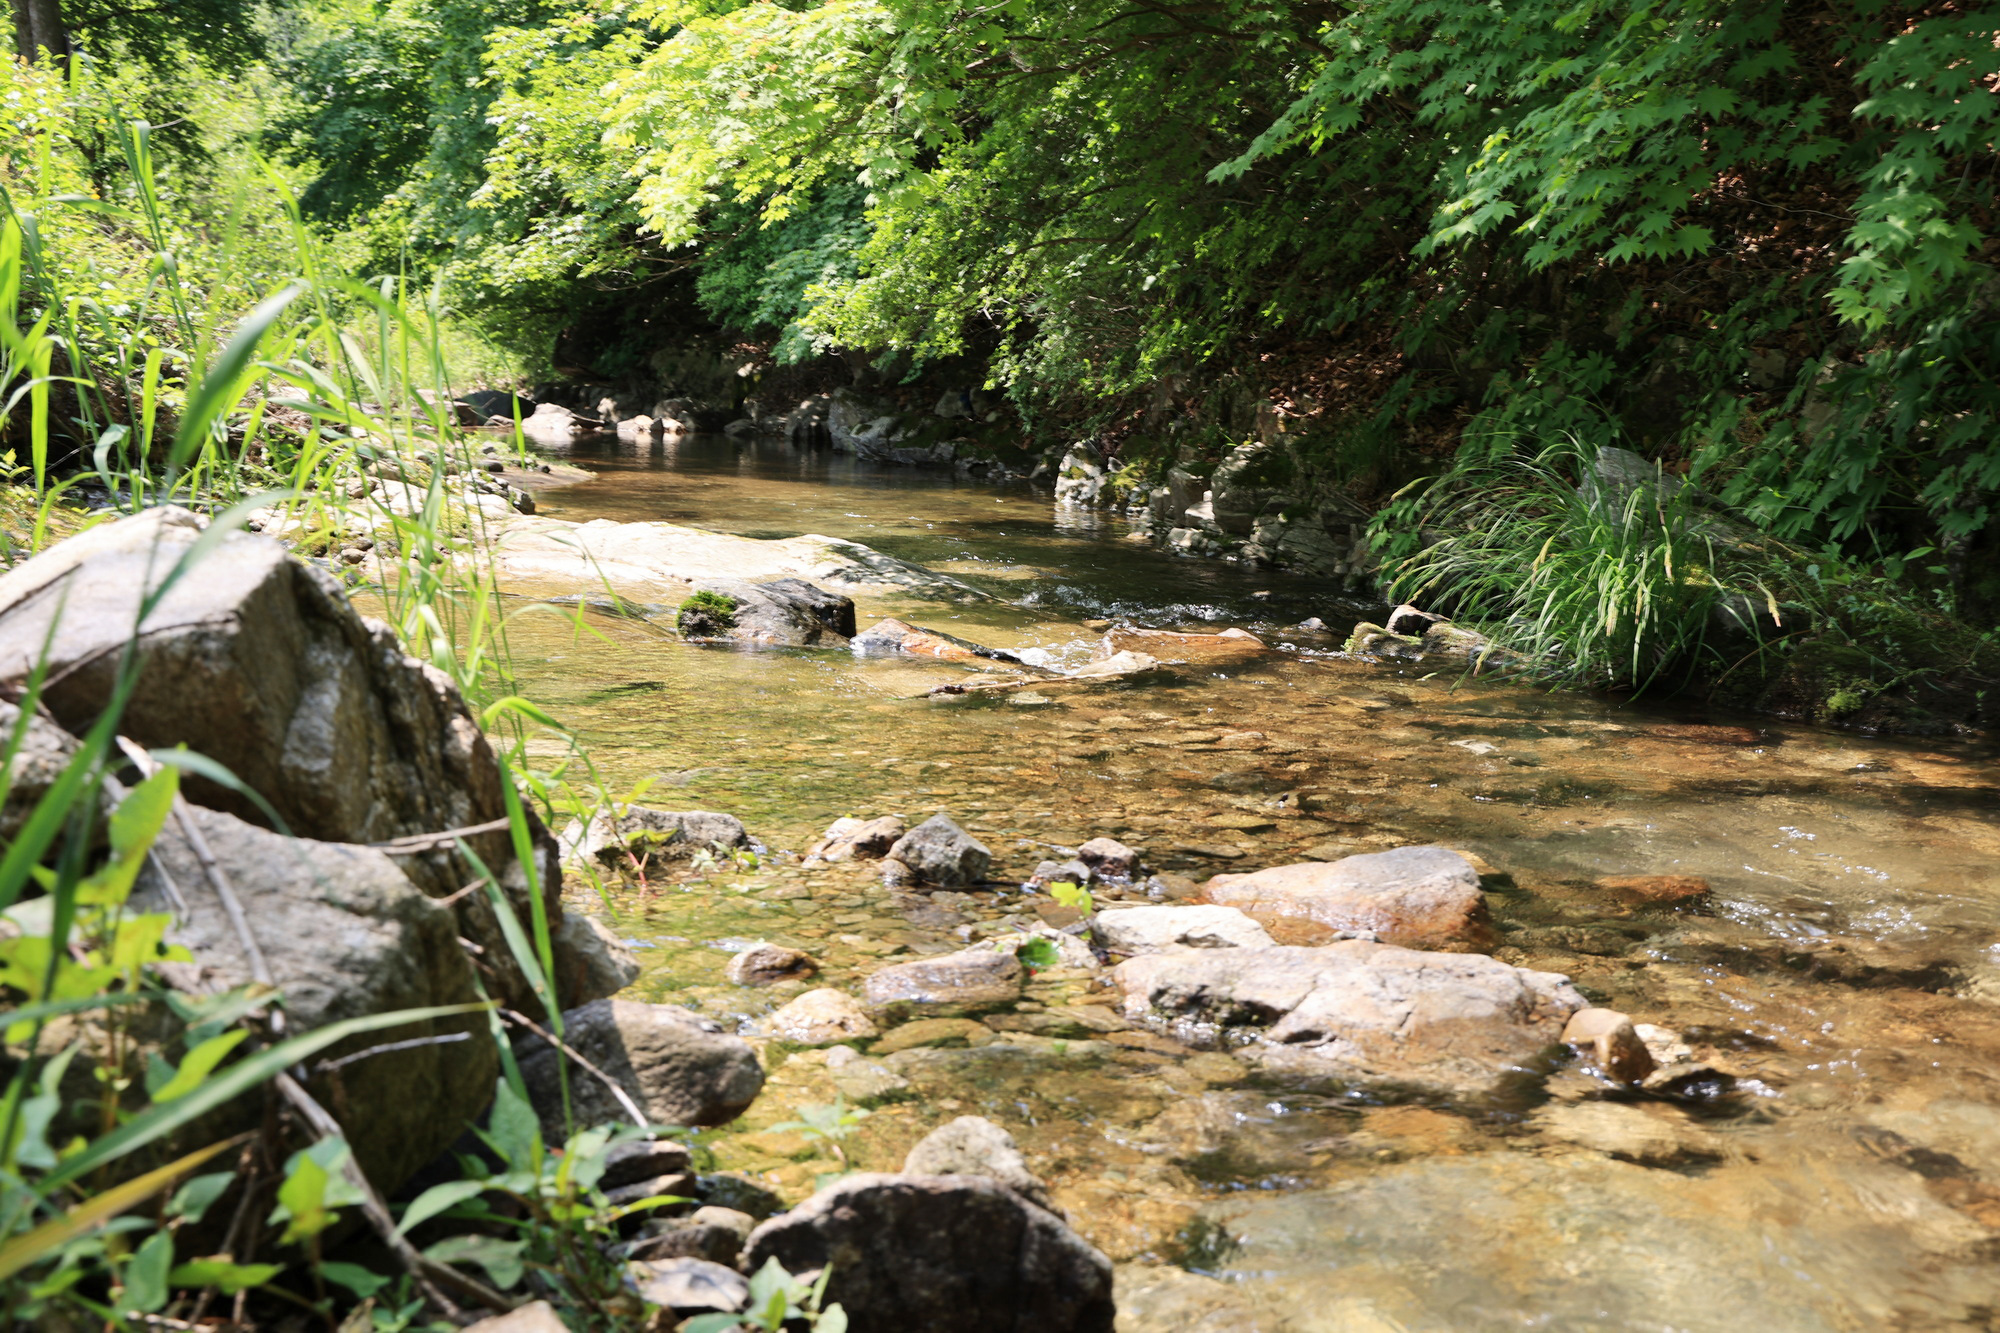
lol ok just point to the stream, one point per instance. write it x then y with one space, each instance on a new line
1841 1171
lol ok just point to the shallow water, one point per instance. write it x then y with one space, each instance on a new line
1842 974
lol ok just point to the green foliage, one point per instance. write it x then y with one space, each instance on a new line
1037 954
1073 895
778 1300
706 613
828 1125
1592 578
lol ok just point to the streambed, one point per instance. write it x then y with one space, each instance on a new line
1844 1173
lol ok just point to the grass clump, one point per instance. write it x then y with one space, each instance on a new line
1599 570
706 614
1599 574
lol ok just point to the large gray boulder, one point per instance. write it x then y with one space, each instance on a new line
866 427
1249 477
257 661
1422 897
44 751
1081 480
941 853
344 934
1361 1011
680 1068
961 1253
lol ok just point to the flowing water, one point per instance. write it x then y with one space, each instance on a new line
1842 1171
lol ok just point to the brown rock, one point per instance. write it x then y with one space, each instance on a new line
1608 1039
930 1032
821 1017
769 964
969 979
1169 646
1148 1041
1656 890
858 839
1109 859
1418 897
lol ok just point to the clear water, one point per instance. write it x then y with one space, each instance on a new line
1844 971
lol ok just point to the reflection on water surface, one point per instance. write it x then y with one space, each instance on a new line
1843 973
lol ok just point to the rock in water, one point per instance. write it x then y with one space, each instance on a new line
968 979
820 1018
769 964
782 613
860 1079
1355 1010
1608 1039
681 1068
852 839
1656 890
1419 897
939 852
1141 930
974 1146
921 1253
1109 859
652 839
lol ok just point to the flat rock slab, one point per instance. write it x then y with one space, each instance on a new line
1421 897
657 562
1169 646
1360 1011
1499 1241
1142 930
968 979
912 1252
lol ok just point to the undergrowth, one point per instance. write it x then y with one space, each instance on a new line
1599 570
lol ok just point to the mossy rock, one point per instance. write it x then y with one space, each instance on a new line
706 615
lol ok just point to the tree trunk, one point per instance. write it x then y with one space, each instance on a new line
38 27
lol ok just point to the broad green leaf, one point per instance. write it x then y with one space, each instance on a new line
437 1199
500 1258
302 1201
514 1130
224 1275
1038 954
354 1277
146 1286
198 1064
192 1201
